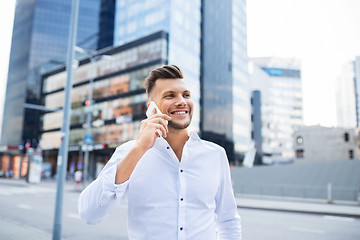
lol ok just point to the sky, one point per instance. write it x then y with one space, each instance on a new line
7 9
323 34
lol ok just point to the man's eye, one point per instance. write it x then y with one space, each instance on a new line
169 96
187 95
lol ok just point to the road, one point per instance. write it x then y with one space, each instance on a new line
27 210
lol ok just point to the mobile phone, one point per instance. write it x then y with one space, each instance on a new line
150 112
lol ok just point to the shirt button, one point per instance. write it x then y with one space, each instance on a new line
181 170
181 229
167 147
181 199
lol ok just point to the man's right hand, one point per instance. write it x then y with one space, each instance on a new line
148 130
145 141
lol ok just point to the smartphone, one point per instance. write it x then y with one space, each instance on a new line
150 111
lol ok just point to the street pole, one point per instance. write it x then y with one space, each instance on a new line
88 124
63 151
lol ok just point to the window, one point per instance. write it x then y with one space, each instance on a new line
346 137
299 140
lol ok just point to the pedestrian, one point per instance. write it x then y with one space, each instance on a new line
78 178
177 185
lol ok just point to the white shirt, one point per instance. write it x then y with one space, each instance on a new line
167 198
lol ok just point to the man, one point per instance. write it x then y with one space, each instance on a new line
177 185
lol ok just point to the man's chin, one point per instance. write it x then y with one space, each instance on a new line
178 126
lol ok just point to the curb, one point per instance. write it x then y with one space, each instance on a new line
299 207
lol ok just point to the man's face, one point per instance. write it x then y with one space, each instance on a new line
173 98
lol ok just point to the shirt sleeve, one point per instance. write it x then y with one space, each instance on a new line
102 196
228 221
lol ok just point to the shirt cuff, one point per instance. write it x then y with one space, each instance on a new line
120 189
110 190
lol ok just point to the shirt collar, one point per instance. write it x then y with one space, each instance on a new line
161 143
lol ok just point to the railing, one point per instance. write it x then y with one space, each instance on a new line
329 192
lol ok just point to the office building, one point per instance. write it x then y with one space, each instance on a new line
40 35
119 101
208 40
214 67
317 143
347 93
279 82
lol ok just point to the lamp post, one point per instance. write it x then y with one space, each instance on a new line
89 104
88 123
63 151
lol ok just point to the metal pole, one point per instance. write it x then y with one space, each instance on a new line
88 124
329 193
63 151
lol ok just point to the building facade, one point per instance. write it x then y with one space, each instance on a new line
317 143
279 81
347 95
214 67
208 40
119 101
40 35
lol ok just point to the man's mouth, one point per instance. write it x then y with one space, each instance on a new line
179 112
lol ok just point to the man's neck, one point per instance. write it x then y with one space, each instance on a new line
177 140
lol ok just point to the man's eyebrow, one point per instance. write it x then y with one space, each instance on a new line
171 91
167 92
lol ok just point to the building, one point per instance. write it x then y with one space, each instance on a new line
40 35
215 67
119 101
347 95
317 143
207 39
281 106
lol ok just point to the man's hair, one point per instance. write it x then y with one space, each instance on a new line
167 72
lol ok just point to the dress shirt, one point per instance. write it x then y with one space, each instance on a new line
167 198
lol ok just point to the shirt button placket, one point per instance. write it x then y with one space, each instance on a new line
181 202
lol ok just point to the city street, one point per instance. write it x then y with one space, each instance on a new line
26 212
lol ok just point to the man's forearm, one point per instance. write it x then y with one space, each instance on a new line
128 164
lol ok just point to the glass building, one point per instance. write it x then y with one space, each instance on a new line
119 100
207 39
279 82
40 35
347 95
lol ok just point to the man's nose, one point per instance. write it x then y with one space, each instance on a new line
180 101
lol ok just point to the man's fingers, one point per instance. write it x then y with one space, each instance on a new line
160 121
161 128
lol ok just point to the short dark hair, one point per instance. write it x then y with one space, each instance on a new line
167 72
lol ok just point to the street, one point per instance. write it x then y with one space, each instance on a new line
28 210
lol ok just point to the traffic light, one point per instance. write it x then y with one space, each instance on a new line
86 102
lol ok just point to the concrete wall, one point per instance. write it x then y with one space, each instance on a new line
300 180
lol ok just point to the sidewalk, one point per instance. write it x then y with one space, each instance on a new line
318 207
11 230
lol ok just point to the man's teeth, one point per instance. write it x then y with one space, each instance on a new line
179 113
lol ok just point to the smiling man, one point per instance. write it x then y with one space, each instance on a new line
177 185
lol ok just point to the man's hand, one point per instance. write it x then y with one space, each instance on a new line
148 130
145 141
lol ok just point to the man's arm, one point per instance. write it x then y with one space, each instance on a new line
228 220
104 194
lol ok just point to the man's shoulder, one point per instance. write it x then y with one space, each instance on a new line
211 146
126 146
